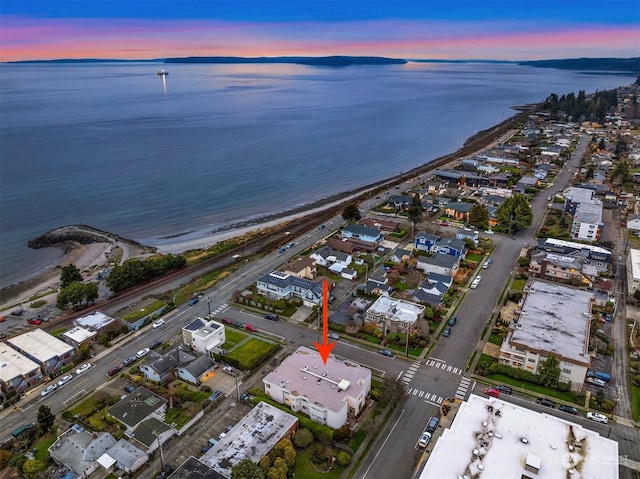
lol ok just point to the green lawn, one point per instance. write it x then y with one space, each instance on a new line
518 284
252 353
304 467
232 338
41 447
475 257
357 439
635 402
495 339
534 388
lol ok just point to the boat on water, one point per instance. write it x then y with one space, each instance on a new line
163 73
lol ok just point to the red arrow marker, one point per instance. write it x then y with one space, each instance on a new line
325 348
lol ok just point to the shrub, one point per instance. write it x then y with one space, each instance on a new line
636 380
515 296
343 433
302 438
343 458
607 405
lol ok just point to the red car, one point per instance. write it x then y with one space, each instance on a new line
493 392
248 327
226 321
35 321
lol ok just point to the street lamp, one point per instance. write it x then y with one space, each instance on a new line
208 305
160 446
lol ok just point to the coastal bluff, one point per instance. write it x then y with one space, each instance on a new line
81 234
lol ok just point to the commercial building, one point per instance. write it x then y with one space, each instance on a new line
251 438
492 438
97 321
329 393
633 270
17 372
43 348
553 320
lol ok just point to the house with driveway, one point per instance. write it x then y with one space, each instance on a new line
362 233
277 285
451 246
439 263
425 241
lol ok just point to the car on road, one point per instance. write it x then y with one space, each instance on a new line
568 409
226 321
251 328
432 425
334 336
64 380
84 368
476 282
424 439
114 370
238 324
129 360
493 392
485 265
489 232
503 389
155 344
452 321
597 417
271 317
386 352
142 353
546 402
158 323
35 321
446 332
596 382
48 390
193 301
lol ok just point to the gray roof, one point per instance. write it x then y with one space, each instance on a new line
361 230
192 468
439 259
325 252
125 453
195 324
283 280
200 365
442 278
454 243
145 432
77 448
423 297
427 236
137 406
460 206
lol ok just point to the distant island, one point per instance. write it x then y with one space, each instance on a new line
631 65
332 61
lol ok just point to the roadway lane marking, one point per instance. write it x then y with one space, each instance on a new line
71 399
383 444
432 403
440 360
399 376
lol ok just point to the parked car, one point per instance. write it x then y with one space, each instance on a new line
228 369
597 417
155 344
334 336
446 332
424 439
386 352
48 390
568 409
432 425
215 395
129 360
142 353
503 389
238 324
596 382
114 370
271 317
476 282
64 380
193 301
35 321
226 321
129 388
84 368
452 321
158 323
17 312
251 328
546 402
493 392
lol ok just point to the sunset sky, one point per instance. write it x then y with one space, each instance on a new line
418 29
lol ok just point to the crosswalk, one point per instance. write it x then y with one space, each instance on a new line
220 309
431 398
408 376
435 363
463 387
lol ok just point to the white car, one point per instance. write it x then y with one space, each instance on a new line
158 323
83 368
476 282
424 439
489 232
48 390
64 380
597 417
142 353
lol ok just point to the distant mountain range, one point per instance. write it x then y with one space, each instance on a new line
627 65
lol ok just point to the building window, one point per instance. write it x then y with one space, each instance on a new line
566 371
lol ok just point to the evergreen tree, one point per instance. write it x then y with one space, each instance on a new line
414 213
479 216
247 469
70 274
351 213
514 214
549 371
45 418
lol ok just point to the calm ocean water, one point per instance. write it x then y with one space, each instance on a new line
117 147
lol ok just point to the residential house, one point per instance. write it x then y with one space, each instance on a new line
383 224
400 202
159 368
362 233
400 255
150 434
204 336
277 285
432 289
348 273
451 246
450 177
301 267
425 241
468 235
439 263
79 450
598 257
196 371
46 350
194 468
18 372
434 186
328 392
138 406
458 210
566 269
78 336
394 315
377 283
98 322
125 457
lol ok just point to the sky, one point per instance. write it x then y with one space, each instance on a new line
409 29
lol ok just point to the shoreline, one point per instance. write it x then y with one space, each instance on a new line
77 253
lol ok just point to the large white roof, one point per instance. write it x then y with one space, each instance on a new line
14 364
40 345
486 440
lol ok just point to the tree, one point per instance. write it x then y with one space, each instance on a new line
351 213
33 467
392 392
247 469
70 274
279 469
414 212
343 458
514 214
479 216
77 293
302 438
45 418
549 371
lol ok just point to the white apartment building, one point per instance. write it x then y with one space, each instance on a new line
204 336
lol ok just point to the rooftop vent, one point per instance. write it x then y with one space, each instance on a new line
524 440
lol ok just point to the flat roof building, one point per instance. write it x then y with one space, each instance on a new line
328 393
97 320
43 348
17 372
633 270
252 438
554 320
492 438
204 336
394 314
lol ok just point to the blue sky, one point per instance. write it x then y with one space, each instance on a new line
454 29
